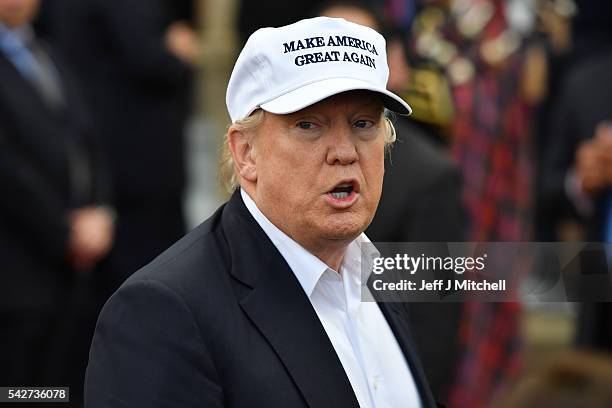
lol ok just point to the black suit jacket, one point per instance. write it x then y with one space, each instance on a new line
586 101
39 144
217 320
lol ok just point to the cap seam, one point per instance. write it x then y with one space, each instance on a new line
255 73
260 63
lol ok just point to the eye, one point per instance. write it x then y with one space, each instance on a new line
305 125
363 124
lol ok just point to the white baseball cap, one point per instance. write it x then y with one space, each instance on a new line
285 69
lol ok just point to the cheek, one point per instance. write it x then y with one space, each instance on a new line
289 173
374 170
377 185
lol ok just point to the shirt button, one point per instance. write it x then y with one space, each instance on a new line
375 382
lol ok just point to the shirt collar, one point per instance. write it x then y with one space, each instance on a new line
24 34
307 268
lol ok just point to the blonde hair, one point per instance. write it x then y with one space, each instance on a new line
227 172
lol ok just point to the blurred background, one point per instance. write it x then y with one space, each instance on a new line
111 120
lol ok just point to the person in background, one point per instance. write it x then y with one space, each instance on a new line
135 62
421 204
579 172
253 15
55 219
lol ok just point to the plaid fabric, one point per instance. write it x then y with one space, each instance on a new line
491 353
492 145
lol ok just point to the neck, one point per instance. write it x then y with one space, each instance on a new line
331 254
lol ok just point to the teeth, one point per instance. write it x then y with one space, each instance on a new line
340 195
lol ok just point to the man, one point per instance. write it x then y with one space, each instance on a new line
54 223
134 64
578 174
260 305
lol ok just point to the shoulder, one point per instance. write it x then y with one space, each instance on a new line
186 287
148 334
192 267
588 75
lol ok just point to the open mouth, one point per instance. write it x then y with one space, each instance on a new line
344 193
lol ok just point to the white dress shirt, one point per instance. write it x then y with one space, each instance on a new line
358 331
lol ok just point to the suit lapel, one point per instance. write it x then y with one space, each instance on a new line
22 89
397 322
276 303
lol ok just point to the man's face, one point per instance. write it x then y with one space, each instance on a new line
320 170
15 13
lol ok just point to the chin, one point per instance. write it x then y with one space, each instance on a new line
345 226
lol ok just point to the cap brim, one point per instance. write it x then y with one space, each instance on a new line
310 94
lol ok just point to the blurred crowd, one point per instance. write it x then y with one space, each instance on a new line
93 102
510 140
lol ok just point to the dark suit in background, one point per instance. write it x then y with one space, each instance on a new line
253 15
140 94
220 320
585 101
50 164
421 202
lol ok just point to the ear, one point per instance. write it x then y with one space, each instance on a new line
241 146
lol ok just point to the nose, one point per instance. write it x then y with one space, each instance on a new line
342 149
